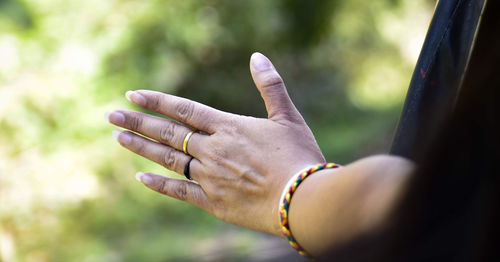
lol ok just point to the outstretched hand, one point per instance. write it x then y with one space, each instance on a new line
241 163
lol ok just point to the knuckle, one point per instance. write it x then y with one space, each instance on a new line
181 191
272 80
169 159
135 122
154 103
231 127
200 198
163 187
167 133
185 111
218 155
139 146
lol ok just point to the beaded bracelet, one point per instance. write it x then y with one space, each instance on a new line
286 197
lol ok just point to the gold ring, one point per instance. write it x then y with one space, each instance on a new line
186 140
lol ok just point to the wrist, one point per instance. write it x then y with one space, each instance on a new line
286 198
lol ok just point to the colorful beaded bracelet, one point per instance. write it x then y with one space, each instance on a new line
286 197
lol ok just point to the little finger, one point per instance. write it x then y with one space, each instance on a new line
184 190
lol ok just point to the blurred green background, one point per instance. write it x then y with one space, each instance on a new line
67 189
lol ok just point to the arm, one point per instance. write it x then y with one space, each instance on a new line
336 205
241 163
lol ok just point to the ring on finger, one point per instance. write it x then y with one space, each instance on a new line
186 140
186 169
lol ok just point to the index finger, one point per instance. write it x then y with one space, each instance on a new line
186 111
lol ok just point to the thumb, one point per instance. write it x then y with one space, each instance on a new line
272 89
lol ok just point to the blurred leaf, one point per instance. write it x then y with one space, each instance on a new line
17 12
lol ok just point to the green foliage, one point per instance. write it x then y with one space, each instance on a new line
67 191
17 13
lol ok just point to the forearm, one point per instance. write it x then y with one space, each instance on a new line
336 205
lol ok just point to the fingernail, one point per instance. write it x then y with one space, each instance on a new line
115 134
106 116
125 138
128 94
144 178
259 62
136 98
116 118
138 176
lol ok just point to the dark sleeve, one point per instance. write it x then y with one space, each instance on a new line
437 75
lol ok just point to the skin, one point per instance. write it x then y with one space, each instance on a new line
241 165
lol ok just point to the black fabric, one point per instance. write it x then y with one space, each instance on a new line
438 74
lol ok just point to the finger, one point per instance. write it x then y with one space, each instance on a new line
192 113
184 190
164 155
272 89
162 130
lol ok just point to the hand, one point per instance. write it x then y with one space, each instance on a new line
241 163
